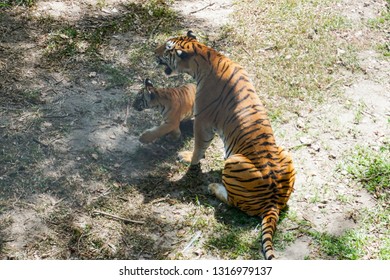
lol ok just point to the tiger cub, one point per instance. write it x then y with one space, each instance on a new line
258 176
175 105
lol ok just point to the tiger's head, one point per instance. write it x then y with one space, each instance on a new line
145 96
176 53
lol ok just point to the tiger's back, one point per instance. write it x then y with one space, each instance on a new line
258 176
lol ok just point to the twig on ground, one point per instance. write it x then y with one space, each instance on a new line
298 146
293 228
197 235
127 114
160 199
96 212
155 28
40 143
307 219
201 9
56 117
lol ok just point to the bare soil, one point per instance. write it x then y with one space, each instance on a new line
70 153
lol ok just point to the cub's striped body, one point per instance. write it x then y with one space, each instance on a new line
258 176
175 105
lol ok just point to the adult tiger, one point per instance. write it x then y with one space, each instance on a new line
258 176
175 105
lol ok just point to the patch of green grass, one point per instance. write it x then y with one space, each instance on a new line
384 252
32 96
63 42
116 77
380 23
384 49
25 97
382 219
375 225
316 197
291 47
289 228
359 112
343 198
234 235
371 168
234 242
10 3
239 236
283 239
349 246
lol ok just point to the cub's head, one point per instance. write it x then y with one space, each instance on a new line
176 53
145 97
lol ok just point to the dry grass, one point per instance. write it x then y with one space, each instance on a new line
66 195
293 50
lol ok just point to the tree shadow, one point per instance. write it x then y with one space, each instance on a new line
66 150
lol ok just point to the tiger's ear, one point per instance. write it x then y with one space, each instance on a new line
191 34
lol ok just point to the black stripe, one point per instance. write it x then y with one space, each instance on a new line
283 181
231 90
267 239
240 137
267 143
242 180
202 56
236 69
253 142
259 188
219 62
231 106
250 170
233 117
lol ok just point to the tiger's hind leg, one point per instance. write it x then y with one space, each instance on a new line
253 191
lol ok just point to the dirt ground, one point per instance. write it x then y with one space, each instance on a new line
70 153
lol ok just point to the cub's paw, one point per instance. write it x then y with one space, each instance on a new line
146 137
185 156
173 136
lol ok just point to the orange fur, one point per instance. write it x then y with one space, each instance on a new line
175 105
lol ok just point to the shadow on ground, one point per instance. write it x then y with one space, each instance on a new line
69 140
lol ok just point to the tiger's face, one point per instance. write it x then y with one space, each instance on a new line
176 54
144 97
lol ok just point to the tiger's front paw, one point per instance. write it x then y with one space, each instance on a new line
146 137
185 156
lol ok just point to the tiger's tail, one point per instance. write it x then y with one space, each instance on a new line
268 227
